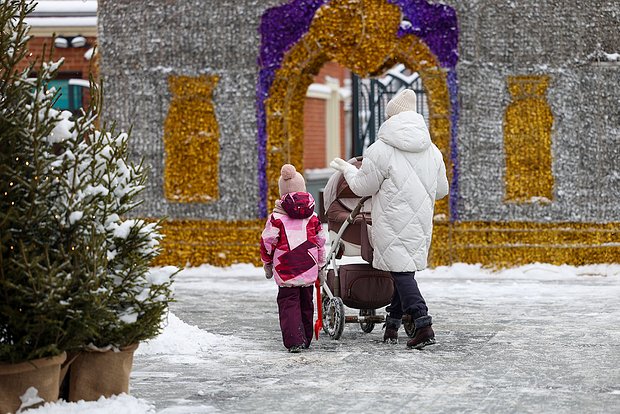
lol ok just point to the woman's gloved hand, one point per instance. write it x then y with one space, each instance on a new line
340 164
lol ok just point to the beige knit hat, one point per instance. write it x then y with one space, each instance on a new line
405 100
290 180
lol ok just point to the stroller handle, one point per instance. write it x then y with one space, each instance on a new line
357 209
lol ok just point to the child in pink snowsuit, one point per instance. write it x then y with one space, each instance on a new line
292 250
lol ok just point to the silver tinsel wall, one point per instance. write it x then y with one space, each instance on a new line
537 134
142 44
566 40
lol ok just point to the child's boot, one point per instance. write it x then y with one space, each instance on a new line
295 349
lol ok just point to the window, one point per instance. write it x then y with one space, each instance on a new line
72 91
69 94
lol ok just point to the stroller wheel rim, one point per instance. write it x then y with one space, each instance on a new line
333 317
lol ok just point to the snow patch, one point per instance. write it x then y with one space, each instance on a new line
88 55
533 271
30 398
160 275
75 217
129 316
122 231
122 403
181 339
612 57
62 129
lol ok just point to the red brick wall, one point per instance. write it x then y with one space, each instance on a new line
75 64
314 133
314 120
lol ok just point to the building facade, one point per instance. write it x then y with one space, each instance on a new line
65 30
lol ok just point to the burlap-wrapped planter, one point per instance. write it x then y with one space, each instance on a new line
94 374
15 379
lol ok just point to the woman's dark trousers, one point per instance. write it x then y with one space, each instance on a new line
407 299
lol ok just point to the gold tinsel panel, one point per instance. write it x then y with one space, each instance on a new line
527 140
517 243
191 140
303 56
219 243
285 125
358 34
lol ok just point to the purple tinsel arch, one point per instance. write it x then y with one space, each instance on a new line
283 26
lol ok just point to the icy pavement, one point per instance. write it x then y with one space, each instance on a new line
534 339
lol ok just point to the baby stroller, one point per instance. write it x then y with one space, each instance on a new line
357 284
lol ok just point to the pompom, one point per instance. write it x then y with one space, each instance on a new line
290 180
288 171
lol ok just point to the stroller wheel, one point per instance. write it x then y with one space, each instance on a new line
325 303
333 317
367 326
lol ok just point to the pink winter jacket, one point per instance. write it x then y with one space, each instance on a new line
294 241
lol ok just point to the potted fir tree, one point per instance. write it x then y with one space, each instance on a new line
138 298
51 296
74 269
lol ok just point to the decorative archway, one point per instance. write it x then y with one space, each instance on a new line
377 34
284 107
421 35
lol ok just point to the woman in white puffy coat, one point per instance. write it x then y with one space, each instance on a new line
404 172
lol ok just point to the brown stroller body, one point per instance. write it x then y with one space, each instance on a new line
351 281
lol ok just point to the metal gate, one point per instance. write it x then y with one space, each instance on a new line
370 96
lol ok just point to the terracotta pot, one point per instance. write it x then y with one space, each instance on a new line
94 374
15 379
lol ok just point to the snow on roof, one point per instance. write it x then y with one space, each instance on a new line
65 8
80 82
84 21
64 17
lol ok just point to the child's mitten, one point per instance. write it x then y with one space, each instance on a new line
268 267
322 276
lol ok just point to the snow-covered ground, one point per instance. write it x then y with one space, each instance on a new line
536 338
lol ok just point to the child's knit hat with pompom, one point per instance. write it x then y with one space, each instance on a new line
290 180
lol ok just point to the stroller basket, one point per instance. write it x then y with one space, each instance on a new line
361 286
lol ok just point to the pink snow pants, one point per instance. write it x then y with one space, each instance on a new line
296 310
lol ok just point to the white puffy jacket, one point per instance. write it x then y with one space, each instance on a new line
404 172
